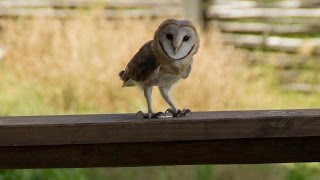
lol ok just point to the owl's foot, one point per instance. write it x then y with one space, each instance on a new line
179 113
150 115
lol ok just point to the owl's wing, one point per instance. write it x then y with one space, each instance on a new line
142 67
186 73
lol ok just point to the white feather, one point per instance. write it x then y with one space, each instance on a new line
183 47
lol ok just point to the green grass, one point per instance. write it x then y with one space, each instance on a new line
48 174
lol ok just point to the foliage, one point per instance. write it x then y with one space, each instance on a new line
48 174
304 171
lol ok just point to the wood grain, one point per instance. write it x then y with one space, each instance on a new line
230 151
123 128
112 140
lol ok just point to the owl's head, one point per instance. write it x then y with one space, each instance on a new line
177 39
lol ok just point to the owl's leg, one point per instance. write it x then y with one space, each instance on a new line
147 94
172 110
164 90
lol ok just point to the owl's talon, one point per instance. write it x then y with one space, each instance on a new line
158 114
178 113
184 112
171 111
149 115
139 113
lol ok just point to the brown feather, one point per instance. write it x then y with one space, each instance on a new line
142 67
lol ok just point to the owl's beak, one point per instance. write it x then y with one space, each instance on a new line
177 42
176 46
175 50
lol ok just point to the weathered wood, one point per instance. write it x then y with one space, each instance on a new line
273 42
300 87
123 128
266 4
260 28
228 151
86 3
110 13
113 9
238 13
225 137
192 10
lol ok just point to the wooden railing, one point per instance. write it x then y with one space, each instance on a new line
113 140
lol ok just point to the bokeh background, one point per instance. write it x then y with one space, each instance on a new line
63 57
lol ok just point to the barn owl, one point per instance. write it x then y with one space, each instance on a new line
162 62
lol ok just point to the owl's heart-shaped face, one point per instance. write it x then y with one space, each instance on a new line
177 41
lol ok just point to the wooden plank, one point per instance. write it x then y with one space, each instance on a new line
142 3
117 140
127 128
260 28
110 13
236 13
86 3
45 4
273 42
300 87
113 9
227 151
265 4
38 12
193 11
233 4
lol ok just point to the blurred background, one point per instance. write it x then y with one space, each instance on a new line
63 57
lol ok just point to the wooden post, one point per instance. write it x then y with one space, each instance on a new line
193 10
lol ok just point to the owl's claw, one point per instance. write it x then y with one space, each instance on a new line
171 111
149 115
178 113
185 112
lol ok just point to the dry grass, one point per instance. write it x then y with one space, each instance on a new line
72 66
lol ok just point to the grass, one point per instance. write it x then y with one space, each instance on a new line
70 66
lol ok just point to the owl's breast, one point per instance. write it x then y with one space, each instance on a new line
171 73
165 79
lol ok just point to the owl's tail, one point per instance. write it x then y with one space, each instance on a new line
121 74
126 81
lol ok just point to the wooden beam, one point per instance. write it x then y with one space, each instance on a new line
300 87
193 10
228 151
238 13
110 13
86 3
113 9
226 137
266 4
125 128
291 45
261 28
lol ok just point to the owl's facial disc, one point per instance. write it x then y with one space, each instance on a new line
177 42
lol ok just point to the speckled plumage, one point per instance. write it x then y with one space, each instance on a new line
153 66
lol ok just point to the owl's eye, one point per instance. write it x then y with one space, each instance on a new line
186 38
169 36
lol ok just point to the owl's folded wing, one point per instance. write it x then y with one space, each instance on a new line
142 67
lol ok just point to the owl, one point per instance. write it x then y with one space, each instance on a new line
162 62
